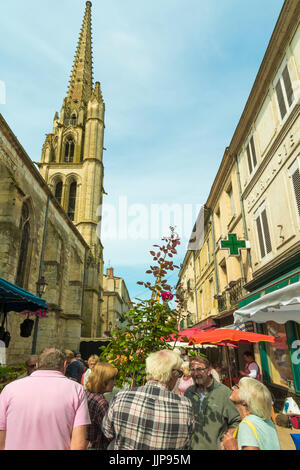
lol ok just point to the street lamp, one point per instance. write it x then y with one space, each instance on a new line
41 286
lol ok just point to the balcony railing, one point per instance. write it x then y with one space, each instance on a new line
230 297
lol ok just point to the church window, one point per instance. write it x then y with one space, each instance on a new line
72 200
69 150
73 120
58 191
24 246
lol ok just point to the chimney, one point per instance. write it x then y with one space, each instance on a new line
110 273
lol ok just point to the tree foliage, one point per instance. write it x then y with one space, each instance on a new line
149 323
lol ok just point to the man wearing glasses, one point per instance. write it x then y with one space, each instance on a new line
214 413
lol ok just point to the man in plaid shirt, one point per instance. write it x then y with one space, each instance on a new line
152 417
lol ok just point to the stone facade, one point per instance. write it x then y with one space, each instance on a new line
116 302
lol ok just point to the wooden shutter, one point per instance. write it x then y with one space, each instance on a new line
260 237
266 231
288 86
249 159
280 99
296 184
254 160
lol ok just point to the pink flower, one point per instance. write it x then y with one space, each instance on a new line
166 295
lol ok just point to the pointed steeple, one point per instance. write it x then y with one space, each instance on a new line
81 82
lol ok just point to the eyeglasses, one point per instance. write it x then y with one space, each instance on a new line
235 387
199 369
178 372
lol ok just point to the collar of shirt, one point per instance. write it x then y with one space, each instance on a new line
48 373
157 383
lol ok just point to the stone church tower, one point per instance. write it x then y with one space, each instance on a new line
71 164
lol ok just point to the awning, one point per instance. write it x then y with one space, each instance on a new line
16 299
280 306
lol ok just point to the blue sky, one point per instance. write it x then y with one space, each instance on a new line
175 77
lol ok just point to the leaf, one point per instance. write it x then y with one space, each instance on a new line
149 271
152 253
140 283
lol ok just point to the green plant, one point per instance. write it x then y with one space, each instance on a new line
149 323
10 373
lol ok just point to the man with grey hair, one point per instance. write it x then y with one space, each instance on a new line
44 411
152 417
215 414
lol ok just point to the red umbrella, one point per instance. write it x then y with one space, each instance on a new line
224 335
191 332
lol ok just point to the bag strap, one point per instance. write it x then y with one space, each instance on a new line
249 424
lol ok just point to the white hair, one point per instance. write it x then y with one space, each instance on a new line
256 396
159 365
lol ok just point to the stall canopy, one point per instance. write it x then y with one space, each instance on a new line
14 298
280 306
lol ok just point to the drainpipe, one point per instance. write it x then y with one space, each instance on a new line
214 249
195 289
242 209
36 324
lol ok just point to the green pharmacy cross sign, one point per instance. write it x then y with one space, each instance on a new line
233 244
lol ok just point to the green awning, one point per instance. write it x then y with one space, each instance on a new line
14 298
279 283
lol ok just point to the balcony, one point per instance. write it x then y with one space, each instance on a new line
231 295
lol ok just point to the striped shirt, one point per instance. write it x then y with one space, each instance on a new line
148 418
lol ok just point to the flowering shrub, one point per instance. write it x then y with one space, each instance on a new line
41 313
149 323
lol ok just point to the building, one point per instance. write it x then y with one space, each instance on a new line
116 302
256 197
48 219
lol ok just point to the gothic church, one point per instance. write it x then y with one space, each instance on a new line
48 218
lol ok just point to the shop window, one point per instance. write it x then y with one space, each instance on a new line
278 355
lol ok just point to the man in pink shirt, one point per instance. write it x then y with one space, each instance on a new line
44 411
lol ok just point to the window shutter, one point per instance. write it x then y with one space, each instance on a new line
296 184
260 238
280 99
254 160
266 231
288 86
249 159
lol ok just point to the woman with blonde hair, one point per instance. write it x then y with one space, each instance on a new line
102 379
184 382
254 403
92 360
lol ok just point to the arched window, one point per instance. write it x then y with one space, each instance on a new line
58 191
24 246
72 200
73 119
69 150
52 155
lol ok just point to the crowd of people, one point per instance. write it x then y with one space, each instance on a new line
182 406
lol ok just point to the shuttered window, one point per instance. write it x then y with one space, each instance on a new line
251 155
295 175
263 233
284 92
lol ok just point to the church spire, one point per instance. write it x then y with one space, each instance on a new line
81 82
